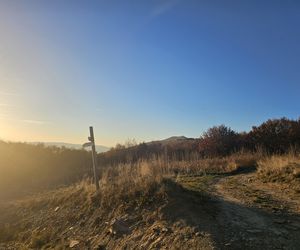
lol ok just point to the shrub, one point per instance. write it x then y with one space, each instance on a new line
218 141
275 136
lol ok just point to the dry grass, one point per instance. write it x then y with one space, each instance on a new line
137 183
135 190
200 166
48 214
280 168
128 183
141 183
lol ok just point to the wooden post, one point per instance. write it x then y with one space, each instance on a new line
94 156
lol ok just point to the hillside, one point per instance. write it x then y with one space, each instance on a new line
177 193
139 207
172 139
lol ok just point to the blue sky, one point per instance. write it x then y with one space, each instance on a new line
145 69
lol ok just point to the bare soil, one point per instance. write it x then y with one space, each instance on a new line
251 214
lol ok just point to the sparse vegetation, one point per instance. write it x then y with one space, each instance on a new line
153 205
135 196
150 200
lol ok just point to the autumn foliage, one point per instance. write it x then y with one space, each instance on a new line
276 136
272 136
218 141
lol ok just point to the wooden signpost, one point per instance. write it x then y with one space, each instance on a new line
91 142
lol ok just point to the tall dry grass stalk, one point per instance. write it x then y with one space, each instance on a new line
128 182
161 166
131 182
280 167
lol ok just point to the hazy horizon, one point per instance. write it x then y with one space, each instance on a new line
145 69
97 144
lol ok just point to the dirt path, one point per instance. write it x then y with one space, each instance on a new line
250 214
253 215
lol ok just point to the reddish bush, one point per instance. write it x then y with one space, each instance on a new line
218 141
275 136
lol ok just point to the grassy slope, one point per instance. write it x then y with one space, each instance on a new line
229 209
151 218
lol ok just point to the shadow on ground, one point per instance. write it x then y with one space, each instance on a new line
230 224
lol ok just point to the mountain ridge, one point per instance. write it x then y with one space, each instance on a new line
99 148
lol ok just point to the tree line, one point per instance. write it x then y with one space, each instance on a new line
274 136
26 168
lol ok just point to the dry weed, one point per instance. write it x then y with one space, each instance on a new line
283 168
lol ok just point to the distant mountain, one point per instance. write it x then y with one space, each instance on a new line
176 138
99 148
172 140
